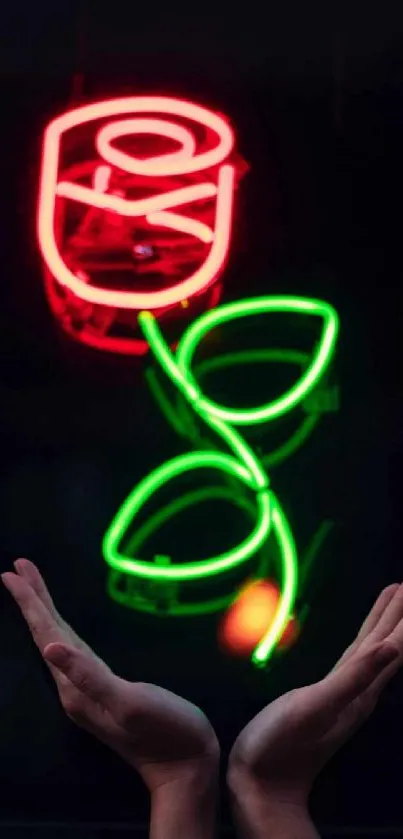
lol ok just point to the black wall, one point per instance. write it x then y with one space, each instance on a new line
317 100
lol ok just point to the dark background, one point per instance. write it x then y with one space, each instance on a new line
316 96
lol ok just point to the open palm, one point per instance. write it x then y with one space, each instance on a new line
282 750
160 734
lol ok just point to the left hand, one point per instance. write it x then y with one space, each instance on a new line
167 739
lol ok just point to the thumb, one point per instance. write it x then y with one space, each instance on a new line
354 677
88 674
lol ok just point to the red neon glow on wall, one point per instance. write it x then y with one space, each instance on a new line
154 177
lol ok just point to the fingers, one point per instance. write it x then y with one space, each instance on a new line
385 677
356 676
80 666
89 675
372 621
30 572
44 628
395 639
389 619
377 611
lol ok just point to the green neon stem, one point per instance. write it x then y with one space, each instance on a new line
188 570
234 441
240 448
164 355
289 567
181 418
164 404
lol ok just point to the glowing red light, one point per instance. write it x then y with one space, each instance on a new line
156 185
250 616
134 212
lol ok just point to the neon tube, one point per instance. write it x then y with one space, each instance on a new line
289 567
178 366
236 443
140 601
115 204
181 418
183 224
190 570
156 208
199 280
321 358
244 465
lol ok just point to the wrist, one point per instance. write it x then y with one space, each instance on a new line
265 813
186 805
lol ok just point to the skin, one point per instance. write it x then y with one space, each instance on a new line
275 759
278 755
165 738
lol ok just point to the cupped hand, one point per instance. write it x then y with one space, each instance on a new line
281 751
163 736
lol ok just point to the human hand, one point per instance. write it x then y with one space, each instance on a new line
278 755
167 739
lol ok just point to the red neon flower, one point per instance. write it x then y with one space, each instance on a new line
135 209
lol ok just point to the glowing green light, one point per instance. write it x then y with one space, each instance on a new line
181 418
289 563
242 464
188 570
178 505
126 598
122 587
231 437
293 443
223 314
164 356
166 407
240 447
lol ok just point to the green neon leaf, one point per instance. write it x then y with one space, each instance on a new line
126 590
189 570
309 378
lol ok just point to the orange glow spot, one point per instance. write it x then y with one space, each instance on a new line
250 616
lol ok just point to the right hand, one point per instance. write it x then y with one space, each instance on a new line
164 737
277 757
